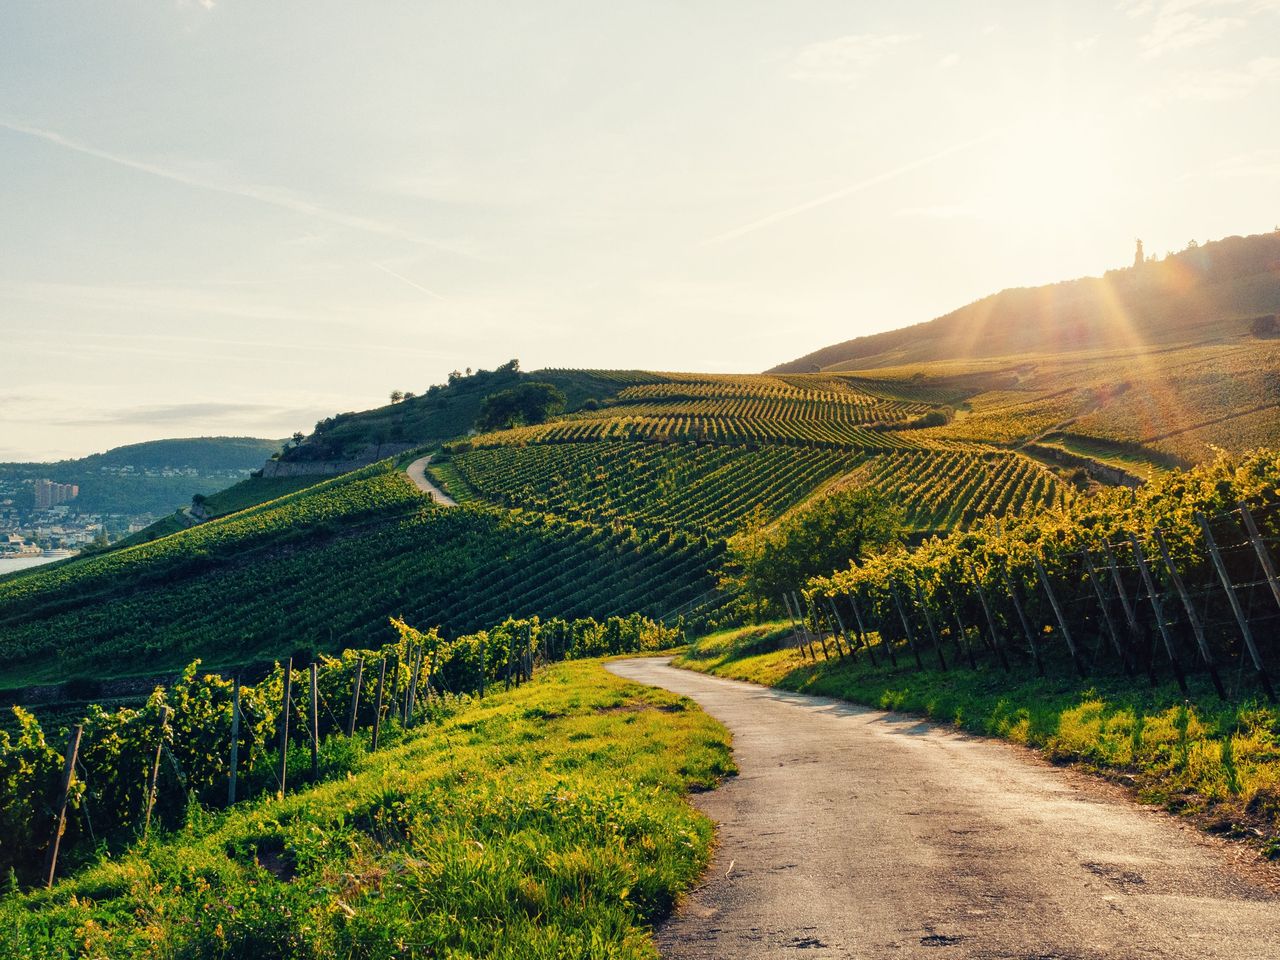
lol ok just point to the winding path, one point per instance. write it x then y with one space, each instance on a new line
417 472
855 833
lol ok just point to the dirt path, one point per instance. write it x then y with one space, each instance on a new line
418 474
858 834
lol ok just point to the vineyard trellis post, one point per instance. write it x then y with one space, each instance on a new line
315 723
902 613
1241 619
1140 558
831 625
235 740
1130 615
804 626
835 612
817 625
1108 624
154 779
64 790
961 638
1260 548
991 620
1062 620
1026 626
795 626
377 706
355 697
1193 618
862 630
928 621
286 707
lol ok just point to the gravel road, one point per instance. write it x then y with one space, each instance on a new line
417 472
856 833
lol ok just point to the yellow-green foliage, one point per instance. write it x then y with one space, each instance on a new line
545 822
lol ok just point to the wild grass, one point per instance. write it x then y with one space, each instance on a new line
549 821
1198 755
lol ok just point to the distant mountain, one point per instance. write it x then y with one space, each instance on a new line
1211 292
155 477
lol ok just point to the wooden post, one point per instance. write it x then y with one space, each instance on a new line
154 779
991 620
286 708
1107 622
1158 609
795 631
804 627
1026 627
377 706
911 645
862 630
1130 615
355 698
393 694
817 625
928 622
1057 612
315 724
235 740
1260 548
484 664
962 638
1241 620
835 612
60 824
1196 626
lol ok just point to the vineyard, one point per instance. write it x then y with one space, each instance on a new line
714 489
207 740
1177 577
323 568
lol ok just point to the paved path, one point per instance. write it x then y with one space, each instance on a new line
855 833
418 474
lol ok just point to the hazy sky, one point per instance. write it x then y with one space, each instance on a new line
237 217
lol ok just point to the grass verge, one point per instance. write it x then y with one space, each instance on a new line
1219 763
549 821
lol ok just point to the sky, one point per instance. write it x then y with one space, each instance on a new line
226 217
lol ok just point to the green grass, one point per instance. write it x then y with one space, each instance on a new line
1198 755
546 822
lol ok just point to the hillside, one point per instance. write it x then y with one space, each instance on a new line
1209 292
1144 369
153 477
323 568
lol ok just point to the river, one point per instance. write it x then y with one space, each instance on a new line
14 564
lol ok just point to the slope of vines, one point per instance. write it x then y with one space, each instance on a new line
329 579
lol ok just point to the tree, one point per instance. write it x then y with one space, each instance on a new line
409 395
523 405
825 536
297 438
1266 327
397 396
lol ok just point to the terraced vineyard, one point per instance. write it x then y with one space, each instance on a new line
324 568
713 489
706 488
939 491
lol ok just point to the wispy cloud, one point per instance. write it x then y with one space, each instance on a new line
845 59
272 196
843 192
952 211
1183 24
413 283
950 60
195 413
1228 83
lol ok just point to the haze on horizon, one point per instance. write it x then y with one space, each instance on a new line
233 218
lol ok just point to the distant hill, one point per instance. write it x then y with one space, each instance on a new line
155 477
445 411
1213 291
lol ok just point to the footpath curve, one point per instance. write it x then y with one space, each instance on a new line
417 472
855 833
